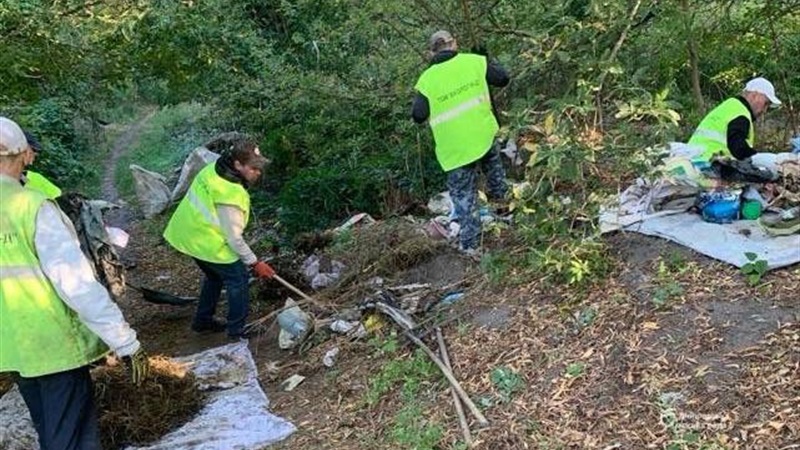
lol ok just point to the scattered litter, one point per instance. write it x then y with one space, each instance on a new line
406 288
285 340
294 325
118 237
435 230
374 323
342 326
485 215
352 328
441 204
320 272
292 382
510 150
410 304
375 282
330 357
162 277
399 316
451 298
362 219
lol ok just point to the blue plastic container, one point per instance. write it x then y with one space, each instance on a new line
721 208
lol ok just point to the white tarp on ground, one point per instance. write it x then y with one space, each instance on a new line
727 242
235 415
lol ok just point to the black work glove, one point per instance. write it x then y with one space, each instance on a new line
138 366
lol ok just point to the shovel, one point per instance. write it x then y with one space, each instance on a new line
162 298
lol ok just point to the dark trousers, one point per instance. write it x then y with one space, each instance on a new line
463 186
234 277
62 408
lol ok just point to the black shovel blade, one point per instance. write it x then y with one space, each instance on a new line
163 298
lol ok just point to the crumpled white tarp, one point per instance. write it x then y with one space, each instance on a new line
151 191
235 415
728 242
194 163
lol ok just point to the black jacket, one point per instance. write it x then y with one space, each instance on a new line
738 129
496 75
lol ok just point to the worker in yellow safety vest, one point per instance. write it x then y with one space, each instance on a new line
34 180
55 317
208 226
453 97
729 129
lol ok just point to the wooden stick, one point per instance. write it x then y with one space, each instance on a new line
450 378
262 320
300 293
462 420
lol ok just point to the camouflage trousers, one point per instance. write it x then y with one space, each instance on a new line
463 185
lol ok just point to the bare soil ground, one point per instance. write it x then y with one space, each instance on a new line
671 351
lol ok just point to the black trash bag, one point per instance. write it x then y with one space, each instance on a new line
87 217
740 171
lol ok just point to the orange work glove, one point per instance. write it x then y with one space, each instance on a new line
263 270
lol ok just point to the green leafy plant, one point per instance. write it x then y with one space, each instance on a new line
663 294
754 269
412 372
507 382
412 431
576 369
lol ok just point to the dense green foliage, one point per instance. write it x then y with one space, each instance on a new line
326 85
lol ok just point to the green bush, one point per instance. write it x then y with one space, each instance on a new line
319 196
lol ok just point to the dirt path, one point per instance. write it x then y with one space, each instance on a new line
122 217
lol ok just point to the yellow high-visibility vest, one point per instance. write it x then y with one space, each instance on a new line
712 133
38 182
461 116
39 333
194 229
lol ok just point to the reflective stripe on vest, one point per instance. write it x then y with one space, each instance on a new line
712 132
194 229
39 333
459 110
461 116
195 201
11 272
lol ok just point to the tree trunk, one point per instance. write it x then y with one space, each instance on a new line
694 59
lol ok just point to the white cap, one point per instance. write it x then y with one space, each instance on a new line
12 139
762 86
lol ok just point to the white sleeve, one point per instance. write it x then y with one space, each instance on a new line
72 276
231 220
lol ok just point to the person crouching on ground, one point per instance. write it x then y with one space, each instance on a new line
55 317
729 129
453 96
208 226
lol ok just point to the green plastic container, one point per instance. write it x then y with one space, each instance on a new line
751 210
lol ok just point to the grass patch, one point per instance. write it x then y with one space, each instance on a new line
163 143
410 428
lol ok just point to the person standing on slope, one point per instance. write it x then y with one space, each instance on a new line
453 96
56 319
208 226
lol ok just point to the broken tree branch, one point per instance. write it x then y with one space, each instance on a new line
462 419
297 291
450 378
